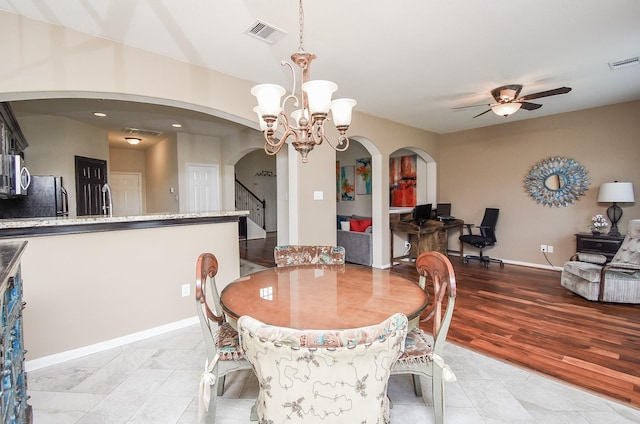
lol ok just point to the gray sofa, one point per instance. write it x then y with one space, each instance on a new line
357 245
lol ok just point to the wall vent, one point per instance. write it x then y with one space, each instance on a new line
624 63
265 32
137 131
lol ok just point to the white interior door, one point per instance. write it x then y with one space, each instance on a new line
203 187
126 189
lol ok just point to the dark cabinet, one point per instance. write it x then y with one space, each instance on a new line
602 244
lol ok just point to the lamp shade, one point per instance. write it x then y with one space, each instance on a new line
616 192
506 109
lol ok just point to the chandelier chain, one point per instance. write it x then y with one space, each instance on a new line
301 25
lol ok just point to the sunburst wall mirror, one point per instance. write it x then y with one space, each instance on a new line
557 181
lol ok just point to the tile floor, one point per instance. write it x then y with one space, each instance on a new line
156 381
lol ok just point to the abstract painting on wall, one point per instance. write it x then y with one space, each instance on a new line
347 186
402 180
363 176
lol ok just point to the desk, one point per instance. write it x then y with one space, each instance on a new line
431 236
322 297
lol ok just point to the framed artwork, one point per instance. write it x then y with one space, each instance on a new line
347 186
402 180
363 176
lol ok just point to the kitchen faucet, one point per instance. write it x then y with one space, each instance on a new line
106 190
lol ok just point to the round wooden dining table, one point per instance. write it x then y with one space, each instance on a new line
323 297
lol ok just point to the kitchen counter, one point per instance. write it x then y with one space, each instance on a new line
30 227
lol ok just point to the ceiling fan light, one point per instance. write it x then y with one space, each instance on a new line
506 109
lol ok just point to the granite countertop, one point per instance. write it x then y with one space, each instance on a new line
99 219
27 227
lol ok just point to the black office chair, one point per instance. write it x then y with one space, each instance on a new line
486 238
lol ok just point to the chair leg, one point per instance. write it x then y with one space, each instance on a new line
437 384
220 385
417 388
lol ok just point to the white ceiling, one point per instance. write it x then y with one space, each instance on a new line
411 61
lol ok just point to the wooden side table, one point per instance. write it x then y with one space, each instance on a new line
602 244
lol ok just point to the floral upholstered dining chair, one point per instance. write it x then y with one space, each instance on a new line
423 354
221 339
293 255
323 376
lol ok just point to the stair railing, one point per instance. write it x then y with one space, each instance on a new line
247 200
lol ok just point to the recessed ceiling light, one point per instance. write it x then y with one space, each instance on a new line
99 114
176 125
133 140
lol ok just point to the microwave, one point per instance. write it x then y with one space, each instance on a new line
14 176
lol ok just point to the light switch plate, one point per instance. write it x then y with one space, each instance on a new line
318 195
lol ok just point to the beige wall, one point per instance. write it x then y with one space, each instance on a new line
53 145
83 289
162 175
486 167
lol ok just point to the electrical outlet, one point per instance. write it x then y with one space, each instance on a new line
550 249
543 247
186 289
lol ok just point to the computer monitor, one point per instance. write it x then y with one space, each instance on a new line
443 210
422 213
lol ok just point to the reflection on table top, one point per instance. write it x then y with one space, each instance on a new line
321 297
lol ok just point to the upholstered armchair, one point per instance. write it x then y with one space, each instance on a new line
323 376
617 281
293 255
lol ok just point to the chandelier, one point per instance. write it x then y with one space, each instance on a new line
305 127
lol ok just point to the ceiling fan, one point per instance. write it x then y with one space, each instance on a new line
508 102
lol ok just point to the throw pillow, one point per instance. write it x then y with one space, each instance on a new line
359 225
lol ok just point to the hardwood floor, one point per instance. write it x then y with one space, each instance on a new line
522 315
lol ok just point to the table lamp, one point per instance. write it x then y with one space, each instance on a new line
615 192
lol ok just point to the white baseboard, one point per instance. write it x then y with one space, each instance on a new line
58 358
527 264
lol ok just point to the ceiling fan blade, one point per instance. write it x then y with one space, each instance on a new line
554 92
480 114
530 106
465 107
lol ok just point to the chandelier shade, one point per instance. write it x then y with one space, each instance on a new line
269 96
313 108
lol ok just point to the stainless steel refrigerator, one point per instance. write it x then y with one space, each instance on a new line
46 197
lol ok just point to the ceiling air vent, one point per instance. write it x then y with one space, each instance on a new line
624 63
137 131
265 32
